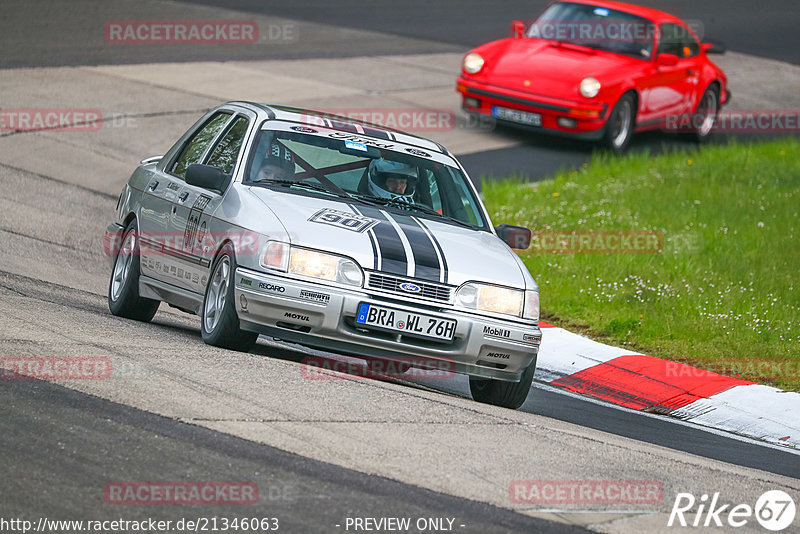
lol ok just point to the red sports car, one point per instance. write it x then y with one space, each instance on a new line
597 70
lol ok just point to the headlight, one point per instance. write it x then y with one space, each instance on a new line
491 299
473 63
589 87
305 262
311 263
531 306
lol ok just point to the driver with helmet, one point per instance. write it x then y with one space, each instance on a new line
392 180
278 164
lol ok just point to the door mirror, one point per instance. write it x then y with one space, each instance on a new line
667 60
207 177
713 47
517 29
517 237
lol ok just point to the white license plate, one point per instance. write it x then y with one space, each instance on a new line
406 323
514 115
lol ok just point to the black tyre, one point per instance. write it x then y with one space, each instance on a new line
123 287
220 323
705 116
504 394
620 124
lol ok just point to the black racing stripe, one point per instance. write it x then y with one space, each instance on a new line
393 255
425 258
438 247
371 236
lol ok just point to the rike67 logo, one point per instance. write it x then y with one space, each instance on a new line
775 510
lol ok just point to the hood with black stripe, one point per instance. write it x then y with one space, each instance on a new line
397 242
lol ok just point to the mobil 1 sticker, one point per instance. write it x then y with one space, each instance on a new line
343 219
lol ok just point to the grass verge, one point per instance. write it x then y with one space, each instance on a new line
723 292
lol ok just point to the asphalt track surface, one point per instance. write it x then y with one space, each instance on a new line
44 434
45 428
73 34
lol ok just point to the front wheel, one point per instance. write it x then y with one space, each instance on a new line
504 394
123 288
620 124
220 323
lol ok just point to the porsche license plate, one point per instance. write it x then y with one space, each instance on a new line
406 323
514 115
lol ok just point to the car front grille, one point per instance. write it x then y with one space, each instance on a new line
392 284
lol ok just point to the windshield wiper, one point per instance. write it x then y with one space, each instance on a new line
398 203
307 185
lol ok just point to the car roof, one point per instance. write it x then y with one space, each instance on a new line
344 124
647 12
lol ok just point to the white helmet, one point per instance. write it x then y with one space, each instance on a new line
381 170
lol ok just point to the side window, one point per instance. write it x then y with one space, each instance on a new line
690 46
197 145
676 39
227 150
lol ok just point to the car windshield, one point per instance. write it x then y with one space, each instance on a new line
596 27
361 170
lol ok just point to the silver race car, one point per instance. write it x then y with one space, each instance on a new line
333 234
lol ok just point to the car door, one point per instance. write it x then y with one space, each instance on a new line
192 213
670 87
159 242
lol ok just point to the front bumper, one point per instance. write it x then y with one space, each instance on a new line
580 120
323 317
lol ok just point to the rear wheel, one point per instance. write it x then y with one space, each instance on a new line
620 124
123 288
220 323
504 394
705 116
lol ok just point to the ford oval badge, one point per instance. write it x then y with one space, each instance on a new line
411 288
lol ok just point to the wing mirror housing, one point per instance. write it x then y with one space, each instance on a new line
713 47
516 237
207 177
667 60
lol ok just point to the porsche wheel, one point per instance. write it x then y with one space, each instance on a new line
123 288
705 116
220 323
620 124
504 394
